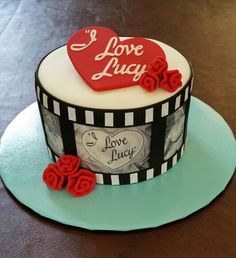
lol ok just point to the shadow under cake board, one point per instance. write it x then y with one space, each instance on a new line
202 173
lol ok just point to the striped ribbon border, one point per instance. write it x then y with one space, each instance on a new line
112 118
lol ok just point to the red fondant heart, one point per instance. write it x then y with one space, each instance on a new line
105 62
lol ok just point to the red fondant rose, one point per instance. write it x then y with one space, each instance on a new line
81 183
52 178
149 81
159 65
68 164
157 75
171 80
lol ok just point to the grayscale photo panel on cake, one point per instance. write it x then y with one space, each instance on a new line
53 131
113 150
174 132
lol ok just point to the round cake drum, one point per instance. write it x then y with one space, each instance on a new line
201 174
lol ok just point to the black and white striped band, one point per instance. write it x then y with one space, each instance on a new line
112 118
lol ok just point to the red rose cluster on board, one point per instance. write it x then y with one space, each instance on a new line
79 182
157 76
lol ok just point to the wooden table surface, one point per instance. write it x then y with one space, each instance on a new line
204 31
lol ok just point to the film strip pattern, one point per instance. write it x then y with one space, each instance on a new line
113 118
67 115
134 177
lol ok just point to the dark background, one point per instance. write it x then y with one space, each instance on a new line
204 31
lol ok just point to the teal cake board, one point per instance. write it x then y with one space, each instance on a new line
207 165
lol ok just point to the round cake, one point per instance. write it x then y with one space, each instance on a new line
119 103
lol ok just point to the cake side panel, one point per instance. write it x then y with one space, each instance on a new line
121 146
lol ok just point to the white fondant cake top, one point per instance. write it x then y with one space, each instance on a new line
58 76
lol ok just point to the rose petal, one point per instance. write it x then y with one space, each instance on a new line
149 81
52 178
171 80
159 65
81 183
68 164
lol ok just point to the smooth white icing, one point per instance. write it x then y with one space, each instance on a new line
58 76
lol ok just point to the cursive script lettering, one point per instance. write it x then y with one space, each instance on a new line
82 46
133 69
115 155
113 49
113 151
113 143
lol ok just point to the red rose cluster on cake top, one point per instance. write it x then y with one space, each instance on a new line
157 76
